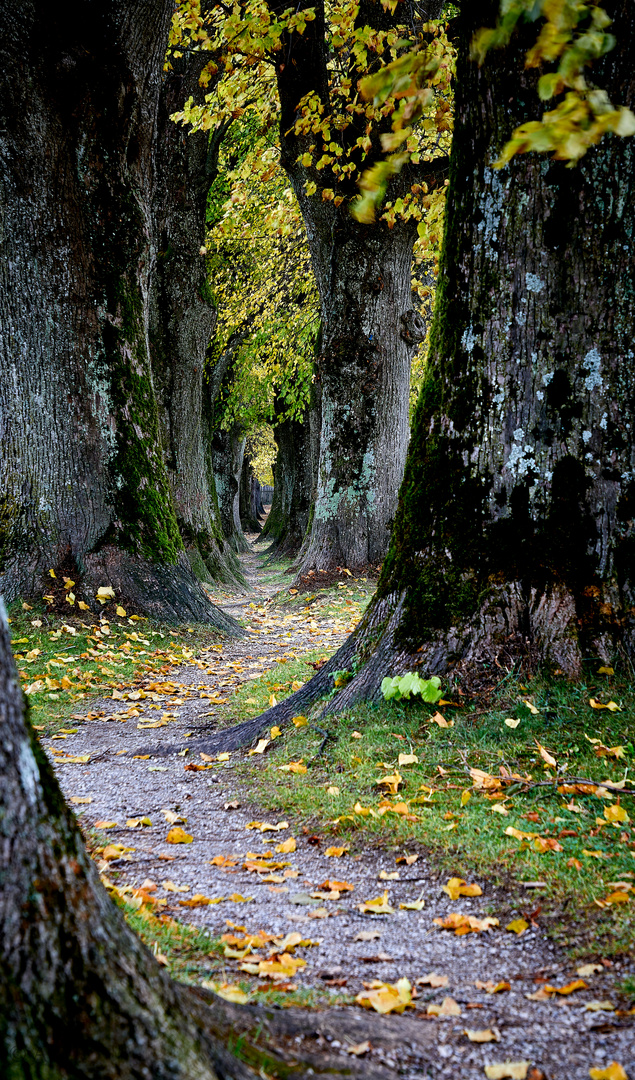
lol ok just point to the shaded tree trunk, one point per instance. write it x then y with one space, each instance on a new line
247 498
228 447
293 491
183 318
513 541
84 480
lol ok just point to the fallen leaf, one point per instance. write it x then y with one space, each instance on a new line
616 813
178 836
359 1048
465 924
263 826
233 805
135 823
335 852
80 799
223 860
332 790
379 906
465 797
391 783
356 735
286 847
237 898
384 875
458 887
261 747
413 905
104 593
121 612
432 979
441 721
409 860
491 987
510 1070
546 756
588 969
228 991
518 926
617 897
198 900
611 1072
339 886
599 1006
499 808
387 997
532 708
576 984
169 886
511 723
407 759
275 732
293 767
549 843
172 818
299 721
611 705
484 1036
367 935
449 1007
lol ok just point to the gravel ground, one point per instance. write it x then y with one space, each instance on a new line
559 1038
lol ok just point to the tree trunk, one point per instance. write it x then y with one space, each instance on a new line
228 447
363 369
293 487
183 318
84 481
248 511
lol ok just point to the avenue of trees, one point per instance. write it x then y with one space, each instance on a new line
513 533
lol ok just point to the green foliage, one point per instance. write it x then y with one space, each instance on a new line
411 685
574 34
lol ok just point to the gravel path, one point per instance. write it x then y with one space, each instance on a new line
559 1038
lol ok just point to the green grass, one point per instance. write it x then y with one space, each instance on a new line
466 835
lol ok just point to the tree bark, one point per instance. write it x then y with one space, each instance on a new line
248 508
293 492
183 318
228 447
84 480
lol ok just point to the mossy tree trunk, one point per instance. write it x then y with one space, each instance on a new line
84 479
247 497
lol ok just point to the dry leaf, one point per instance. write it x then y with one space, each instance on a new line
178 836
237 898
510 1070
379 906
407 759
432 979
172 818
391 783
299 721
169 886
332 790
198 900
491 987
485 1036
599 1006
465 924
335 852
359 1048
413 905
611 706
588 969
511 723
518 926
105 824
228 991
611 1072
356 735
449 1007
616 813
499 808
293 767
384 875
549 843
223 860
337 886
261 747
275 732
577 984
387 997
233 805
546 756
121 612
262 826
367 935
80 799
137 822
409 860
286 847
441 721
458 887
465 797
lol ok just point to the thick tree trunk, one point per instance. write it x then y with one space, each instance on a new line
247 500
83 476
182 321
293 471
363 275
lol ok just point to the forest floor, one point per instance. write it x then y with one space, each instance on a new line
394 865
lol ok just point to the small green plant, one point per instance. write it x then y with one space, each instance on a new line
409 685
341 678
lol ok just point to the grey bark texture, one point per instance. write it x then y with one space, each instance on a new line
295 481
228 447
84 480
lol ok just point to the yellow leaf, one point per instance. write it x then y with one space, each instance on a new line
449 1007
275 732
77 799
293 767
228 991
599 1006
272 701
299 721
499 808
465 924
617 897
611 705
511 723
384 875
492 987
52 573
546 756
510 1070
391 783
82 605
588 969
441 721
178 835
611 1072
518 926
387 997
121 612
379 906
483 1036
356 735
286 847
408 759
606 671
198 900
412 905
104 593
576 984
335 852
616 813
332 790
238 899
432 979
458 887
518 834
465 797
105 824
262 826
532 708
169 886
261 747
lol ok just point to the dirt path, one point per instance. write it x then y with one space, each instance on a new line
558 1037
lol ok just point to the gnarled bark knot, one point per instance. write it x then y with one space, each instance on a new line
413 327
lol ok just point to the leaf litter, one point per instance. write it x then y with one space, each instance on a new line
114 789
